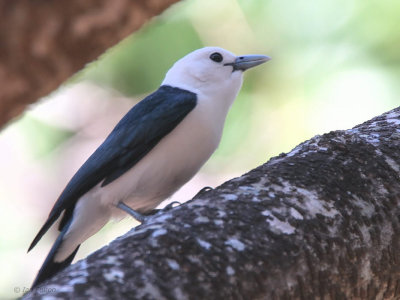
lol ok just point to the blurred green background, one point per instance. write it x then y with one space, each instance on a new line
334 65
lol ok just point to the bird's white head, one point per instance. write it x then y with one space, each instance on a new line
211 71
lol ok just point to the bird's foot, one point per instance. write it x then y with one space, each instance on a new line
166 208
142 217
171 205
203 190
135 214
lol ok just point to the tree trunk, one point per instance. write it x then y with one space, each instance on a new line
44 42
321 222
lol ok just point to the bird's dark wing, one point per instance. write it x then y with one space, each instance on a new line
133 137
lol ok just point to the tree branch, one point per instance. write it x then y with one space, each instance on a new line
44 42
321 222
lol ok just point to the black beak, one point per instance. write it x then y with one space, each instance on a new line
245 62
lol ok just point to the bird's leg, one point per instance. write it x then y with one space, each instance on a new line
203 190
166 208
136 215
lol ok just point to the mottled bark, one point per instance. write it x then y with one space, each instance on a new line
321 222
43 42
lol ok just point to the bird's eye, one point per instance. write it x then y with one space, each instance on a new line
217 57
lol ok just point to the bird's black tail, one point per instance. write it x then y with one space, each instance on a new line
50 267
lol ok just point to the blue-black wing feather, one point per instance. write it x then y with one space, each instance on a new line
49 267
132 138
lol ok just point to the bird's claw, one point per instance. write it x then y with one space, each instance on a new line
164 209
203 190
171 205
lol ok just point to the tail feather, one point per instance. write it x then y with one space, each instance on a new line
43 230
50 267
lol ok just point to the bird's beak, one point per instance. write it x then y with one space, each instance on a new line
245 62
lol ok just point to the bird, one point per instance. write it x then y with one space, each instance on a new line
158 146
